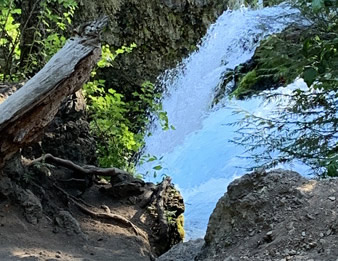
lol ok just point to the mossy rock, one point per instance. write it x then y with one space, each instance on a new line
273 63
246 84
180 226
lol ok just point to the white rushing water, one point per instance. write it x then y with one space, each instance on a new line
198 155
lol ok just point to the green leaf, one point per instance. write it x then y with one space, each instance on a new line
309 75
317 5
158 167
152 159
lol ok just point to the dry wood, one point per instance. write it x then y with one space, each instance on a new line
25 114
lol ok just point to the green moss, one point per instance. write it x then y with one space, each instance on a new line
180 226
246 84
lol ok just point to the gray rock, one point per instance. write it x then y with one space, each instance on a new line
32 205
186 251
6 186
65 220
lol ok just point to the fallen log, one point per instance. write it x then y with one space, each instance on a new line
25 114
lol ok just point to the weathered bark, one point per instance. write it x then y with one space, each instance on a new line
25 114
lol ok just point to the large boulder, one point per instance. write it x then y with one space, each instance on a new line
276 215
270 216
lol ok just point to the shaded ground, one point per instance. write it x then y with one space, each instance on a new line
51 226
53 211
46 241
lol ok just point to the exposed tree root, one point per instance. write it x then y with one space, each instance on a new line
111 216
86 170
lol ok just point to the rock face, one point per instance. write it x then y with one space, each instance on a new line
277 215
183 251
68 135
163 30
249 216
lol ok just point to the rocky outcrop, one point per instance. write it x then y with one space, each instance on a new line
164 32
68 135
183 251
278 215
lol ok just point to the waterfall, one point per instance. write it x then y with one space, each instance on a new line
197 154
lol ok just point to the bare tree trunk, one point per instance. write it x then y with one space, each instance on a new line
25 114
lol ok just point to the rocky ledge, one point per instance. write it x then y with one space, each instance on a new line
264 216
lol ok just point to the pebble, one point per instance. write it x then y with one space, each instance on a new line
269 233
268 237
328 232
332 198
303 234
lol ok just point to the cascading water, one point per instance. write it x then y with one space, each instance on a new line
197 154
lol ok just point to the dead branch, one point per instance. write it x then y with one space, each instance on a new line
28 111
86 170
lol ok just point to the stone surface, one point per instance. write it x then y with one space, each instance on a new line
183 251
164 31
277 215
66 221
273 216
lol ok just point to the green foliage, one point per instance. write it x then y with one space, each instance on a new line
120 124
245 84
52 24
274 63
155 161
48 37
304 127
9 38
